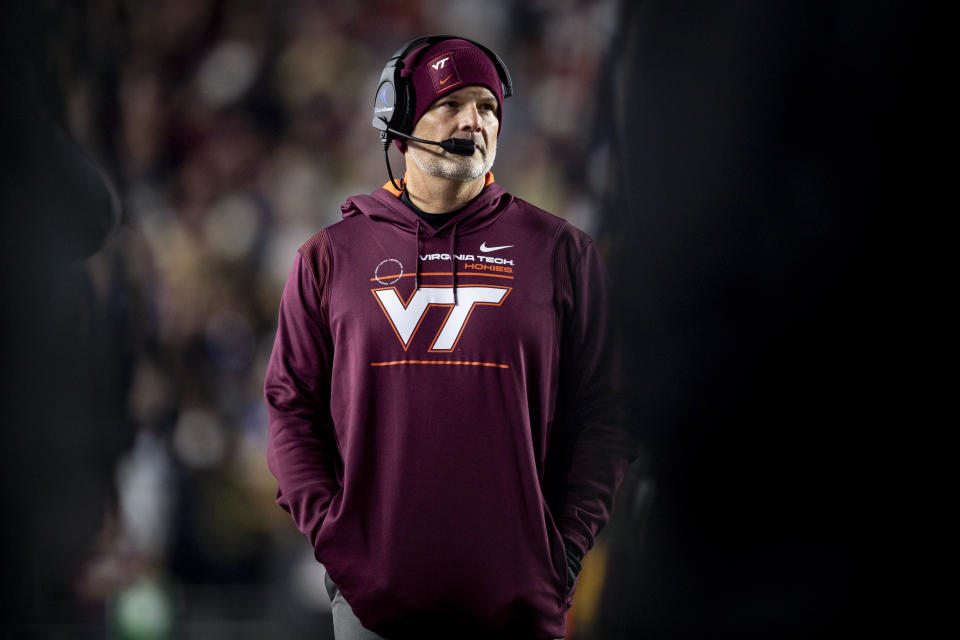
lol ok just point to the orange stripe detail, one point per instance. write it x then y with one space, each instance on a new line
441 273
403 184
487 181
460 362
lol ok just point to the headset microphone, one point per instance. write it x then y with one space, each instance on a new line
459 146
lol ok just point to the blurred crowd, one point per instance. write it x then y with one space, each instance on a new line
231 133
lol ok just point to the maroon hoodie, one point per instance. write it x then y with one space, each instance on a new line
443 415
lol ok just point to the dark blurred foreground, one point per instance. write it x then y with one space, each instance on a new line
760 150
62 380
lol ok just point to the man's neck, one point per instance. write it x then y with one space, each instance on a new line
439 195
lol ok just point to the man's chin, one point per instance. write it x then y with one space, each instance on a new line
461 173
463 176
453 167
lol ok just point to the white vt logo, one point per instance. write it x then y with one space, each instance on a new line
405 317
439 65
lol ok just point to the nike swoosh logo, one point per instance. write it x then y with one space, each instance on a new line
485 248
447 78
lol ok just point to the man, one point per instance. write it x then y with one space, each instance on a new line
443 420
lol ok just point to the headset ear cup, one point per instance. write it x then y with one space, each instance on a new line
405 110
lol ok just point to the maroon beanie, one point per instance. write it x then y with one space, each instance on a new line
446 66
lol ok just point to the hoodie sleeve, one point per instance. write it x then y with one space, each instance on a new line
599 444
302 450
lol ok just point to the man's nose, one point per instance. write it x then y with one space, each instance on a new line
470 118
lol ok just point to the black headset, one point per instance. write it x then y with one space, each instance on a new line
394 106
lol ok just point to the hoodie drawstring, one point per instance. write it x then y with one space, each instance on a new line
453 260
416 261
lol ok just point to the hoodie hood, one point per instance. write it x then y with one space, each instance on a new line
384 205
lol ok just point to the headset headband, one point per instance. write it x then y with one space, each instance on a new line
395 102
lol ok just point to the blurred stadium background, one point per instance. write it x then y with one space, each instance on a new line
730 159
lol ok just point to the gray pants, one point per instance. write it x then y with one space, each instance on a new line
346 626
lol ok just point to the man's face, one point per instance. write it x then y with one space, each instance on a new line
469 113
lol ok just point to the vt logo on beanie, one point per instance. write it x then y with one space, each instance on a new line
443 72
